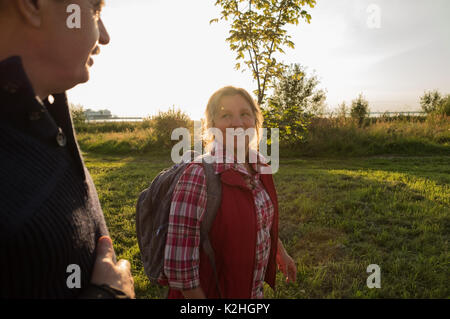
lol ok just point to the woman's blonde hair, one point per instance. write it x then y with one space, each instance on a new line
213 108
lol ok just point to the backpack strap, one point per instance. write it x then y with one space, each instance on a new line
213 201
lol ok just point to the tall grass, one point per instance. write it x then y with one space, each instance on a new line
136 141
400 135
152 134
338 136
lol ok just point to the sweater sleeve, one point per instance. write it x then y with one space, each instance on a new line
182 252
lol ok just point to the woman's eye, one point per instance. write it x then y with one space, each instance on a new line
225 116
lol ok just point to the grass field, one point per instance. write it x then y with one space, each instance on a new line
337 216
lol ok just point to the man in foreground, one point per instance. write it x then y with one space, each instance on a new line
54 242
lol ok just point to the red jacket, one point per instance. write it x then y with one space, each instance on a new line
233 238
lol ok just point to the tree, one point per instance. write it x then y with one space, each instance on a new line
360 109
294 101
258 33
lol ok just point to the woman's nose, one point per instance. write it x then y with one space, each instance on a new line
104 36
237 122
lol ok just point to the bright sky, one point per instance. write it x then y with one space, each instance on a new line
165 53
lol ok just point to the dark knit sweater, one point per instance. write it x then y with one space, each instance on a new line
49 209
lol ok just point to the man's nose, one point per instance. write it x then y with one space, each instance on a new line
104 36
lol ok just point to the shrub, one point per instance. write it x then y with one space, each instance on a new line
431 101
165 122
359 109
342 110
444 106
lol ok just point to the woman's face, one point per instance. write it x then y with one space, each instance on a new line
234 112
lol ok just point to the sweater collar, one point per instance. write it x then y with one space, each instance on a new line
21 109
13 79
17 98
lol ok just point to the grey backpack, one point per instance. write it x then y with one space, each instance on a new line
152 217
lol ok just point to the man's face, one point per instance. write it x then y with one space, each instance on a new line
66 52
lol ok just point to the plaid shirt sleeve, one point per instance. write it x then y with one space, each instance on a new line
182 252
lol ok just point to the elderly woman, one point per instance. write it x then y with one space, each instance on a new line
244 234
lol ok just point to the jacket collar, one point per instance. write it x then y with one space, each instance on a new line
17 98
21 109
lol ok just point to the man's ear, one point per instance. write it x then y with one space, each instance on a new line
30 11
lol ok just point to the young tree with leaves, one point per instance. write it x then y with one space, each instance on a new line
295 100
258 32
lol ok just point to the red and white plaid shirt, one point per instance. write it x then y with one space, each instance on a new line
182 252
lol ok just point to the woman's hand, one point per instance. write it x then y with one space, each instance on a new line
286 264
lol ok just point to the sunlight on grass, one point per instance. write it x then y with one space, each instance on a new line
337 216
424 188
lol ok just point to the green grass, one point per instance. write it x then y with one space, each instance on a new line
337 216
